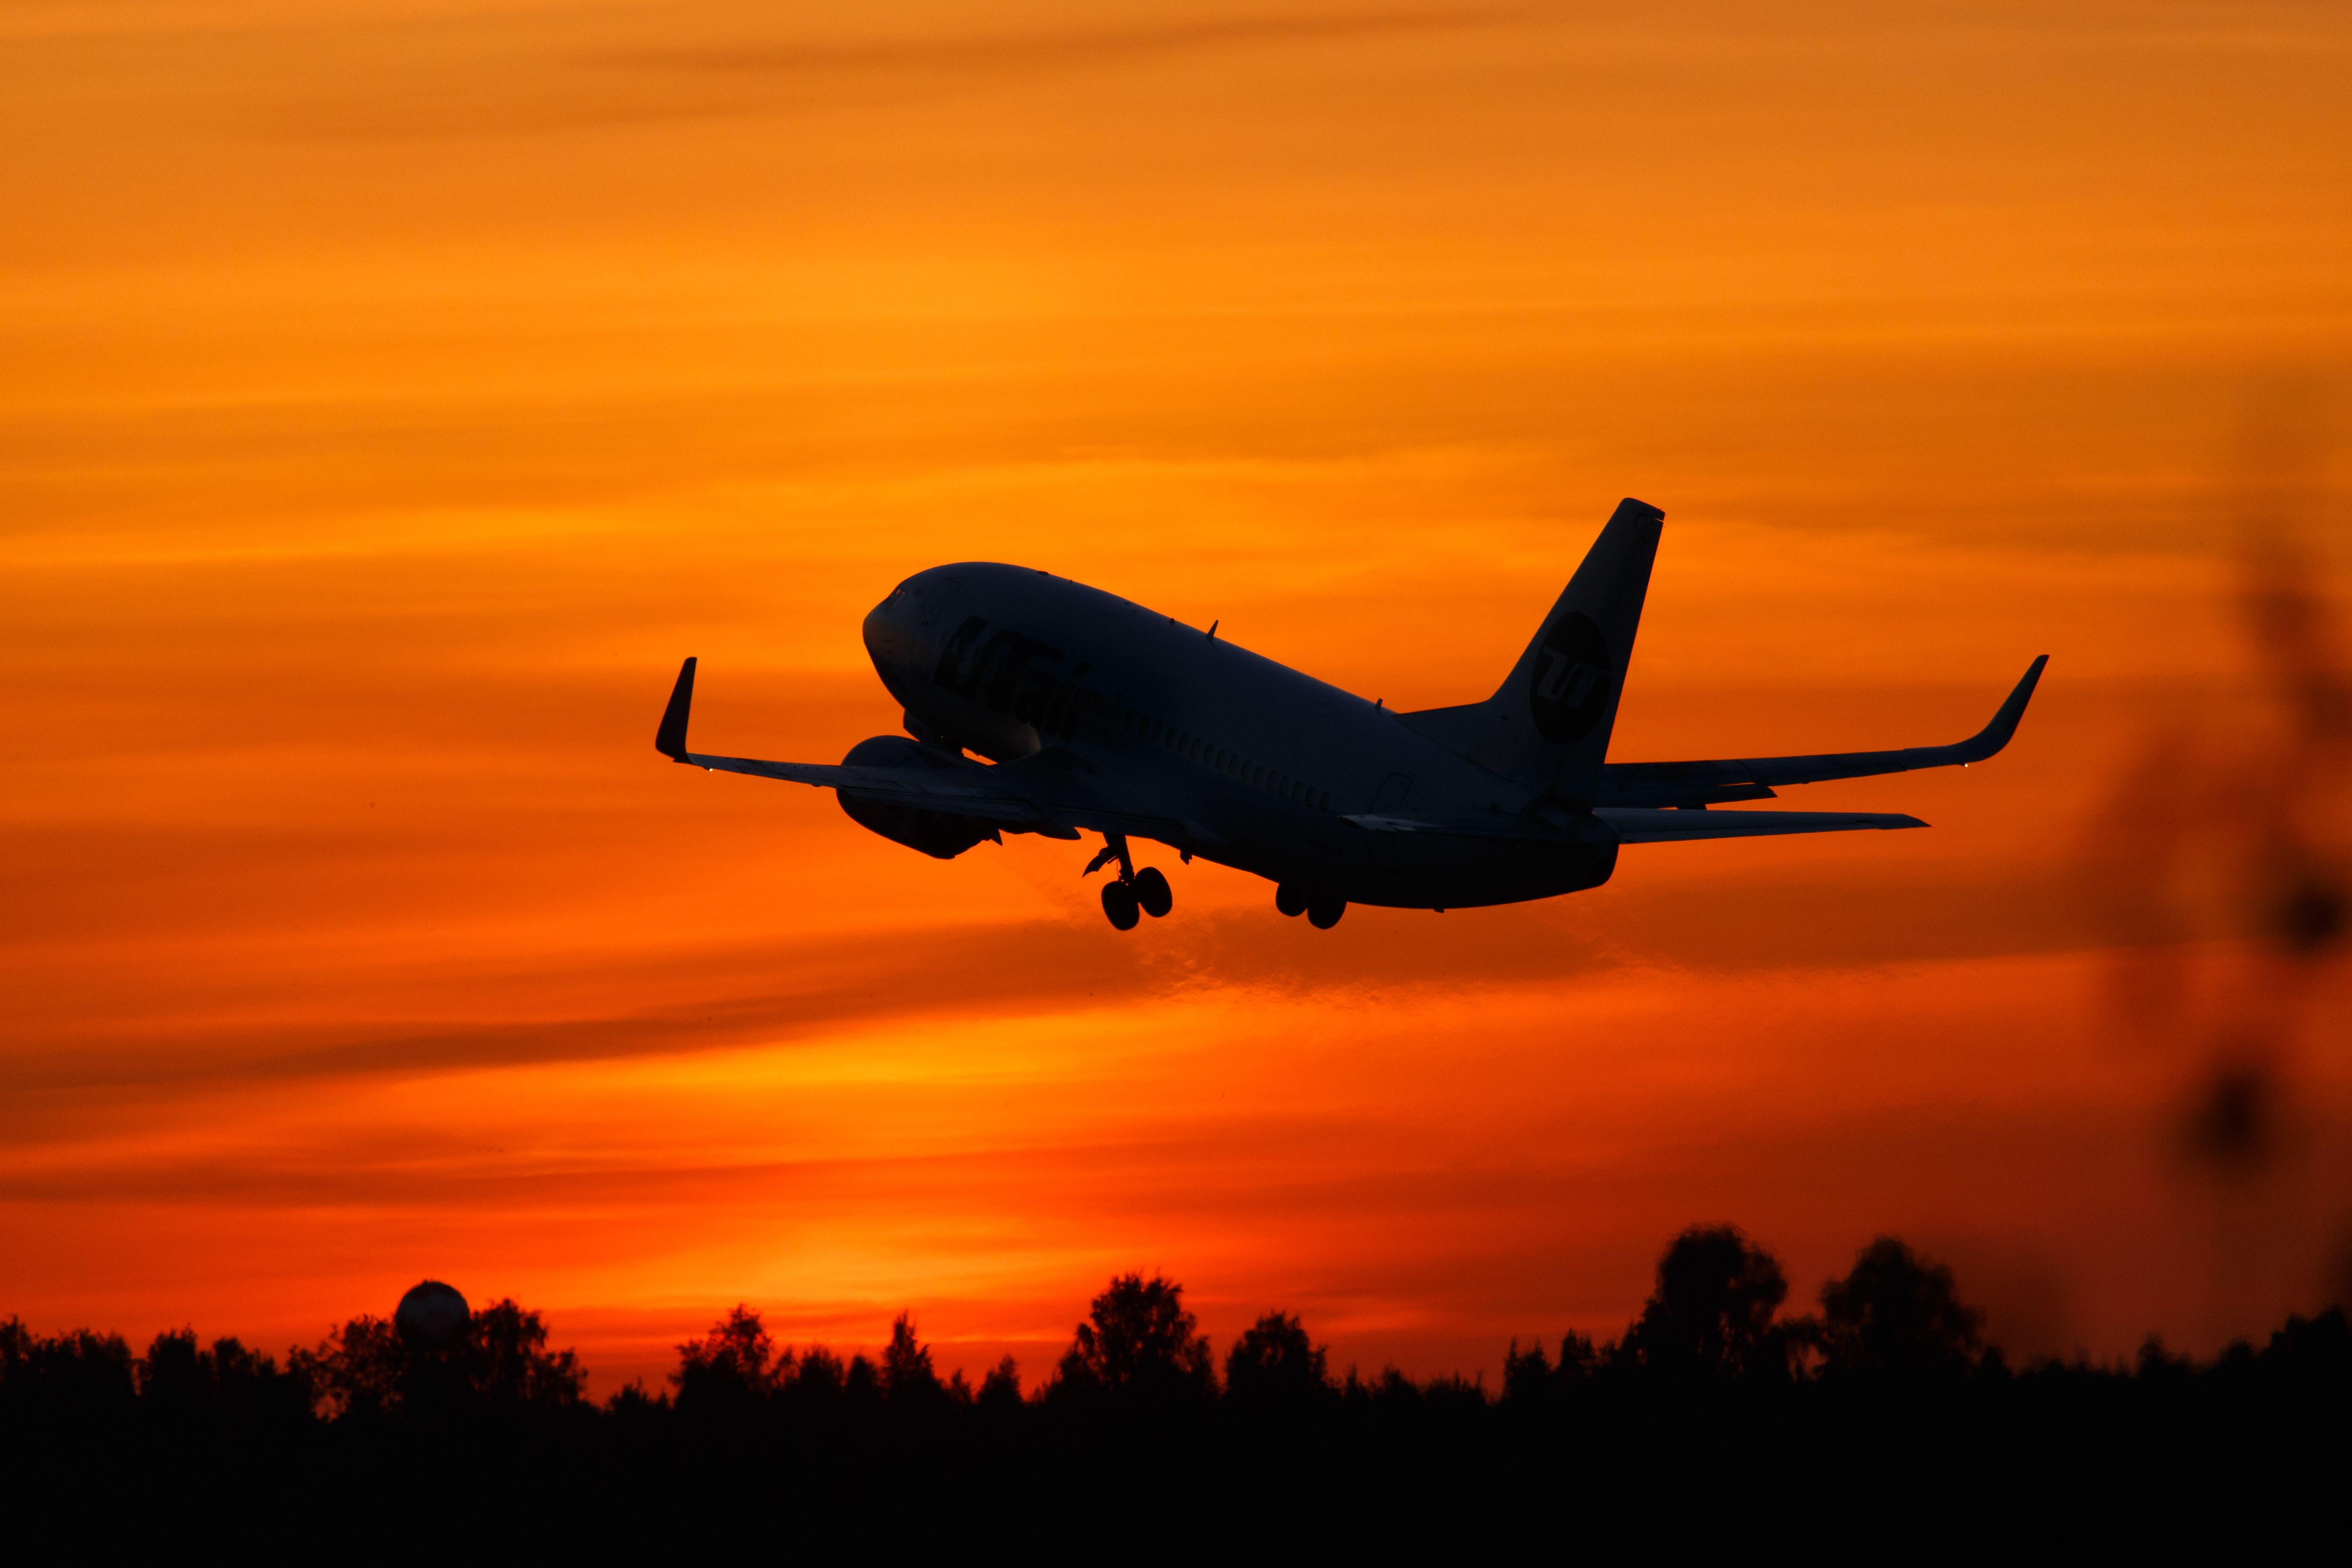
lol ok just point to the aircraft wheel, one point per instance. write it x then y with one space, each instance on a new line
1152 891
1324 911
1118 904
1290 900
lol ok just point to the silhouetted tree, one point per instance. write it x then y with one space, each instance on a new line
731 1370
1273 1362
1531 1377
816 1383
1897 1314
79 1382
2310 1355
1139 1342
175 1377
1137 1445
1710 1317
183 1386
909 1378
512 1369
1391 1390
2155 1364
861 1384
1000 1391
500 1362
357 1370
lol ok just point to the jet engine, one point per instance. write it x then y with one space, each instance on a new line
939 834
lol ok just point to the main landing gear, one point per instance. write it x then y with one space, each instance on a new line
1322 909
1136 893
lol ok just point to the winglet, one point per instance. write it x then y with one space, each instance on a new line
1994 735
670 738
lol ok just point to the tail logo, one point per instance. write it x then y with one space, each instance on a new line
1570 684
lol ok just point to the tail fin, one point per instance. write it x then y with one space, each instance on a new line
1548 724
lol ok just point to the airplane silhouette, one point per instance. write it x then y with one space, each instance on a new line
1096 713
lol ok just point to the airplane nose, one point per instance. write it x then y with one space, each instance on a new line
893 631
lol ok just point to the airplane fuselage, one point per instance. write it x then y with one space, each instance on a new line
1259 764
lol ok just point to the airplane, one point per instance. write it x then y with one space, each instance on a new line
1095 714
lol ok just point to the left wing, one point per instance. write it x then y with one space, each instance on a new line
965 788
1035 794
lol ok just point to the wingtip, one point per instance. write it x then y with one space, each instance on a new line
670 738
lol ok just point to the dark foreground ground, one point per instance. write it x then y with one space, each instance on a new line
1715 1425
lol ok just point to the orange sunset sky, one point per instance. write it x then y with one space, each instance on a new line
393 391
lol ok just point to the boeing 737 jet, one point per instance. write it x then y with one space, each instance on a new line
1095 714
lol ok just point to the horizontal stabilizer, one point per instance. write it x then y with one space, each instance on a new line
1637 825
1697 783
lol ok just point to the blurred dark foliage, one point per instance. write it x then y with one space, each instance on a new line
2221 865
1715 1420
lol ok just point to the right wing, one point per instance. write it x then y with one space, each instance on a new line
1752 777
1639 825
1643 825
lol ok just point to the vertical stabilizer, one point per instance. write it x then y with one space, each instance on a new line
1548 726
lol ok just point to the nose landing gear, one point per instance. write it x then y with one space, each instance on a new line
1136 893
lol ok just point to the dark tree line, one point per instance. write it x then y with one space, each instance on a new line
1716 1402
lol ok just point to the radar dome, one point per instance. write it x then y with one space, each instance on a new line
431 1316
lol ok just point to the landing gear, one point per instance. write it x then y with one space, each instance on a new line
1136 893
1322 909
1152 891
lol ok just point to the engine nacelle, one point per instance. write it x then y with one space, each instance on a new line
940 835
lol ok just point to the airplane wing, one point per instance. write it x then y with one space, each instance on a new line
1646 825
1656 784
967 790
1641 825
